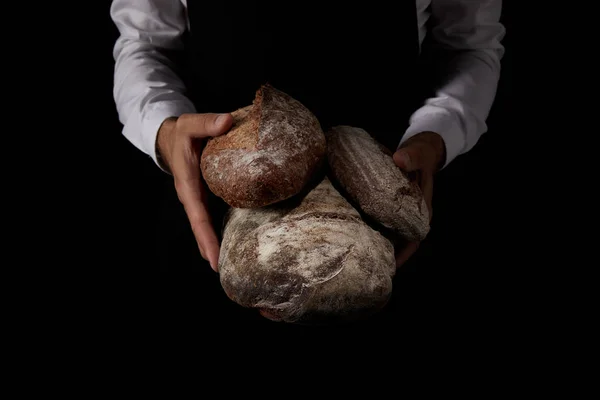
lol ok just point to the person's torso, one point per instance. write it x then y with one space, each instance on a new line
349 63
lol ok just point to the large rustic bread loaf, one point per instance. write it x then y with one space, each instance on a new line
367 174
272 151
310 259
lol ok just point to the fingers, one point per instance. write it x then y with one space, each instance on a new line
418 159
268 315
192 198
188 180
426 185
203 125
406 252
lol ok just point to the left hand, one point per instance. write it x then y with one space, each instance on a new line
420 157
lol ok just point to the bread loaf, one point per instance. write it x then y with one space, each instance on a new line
374 184
270 154
307 260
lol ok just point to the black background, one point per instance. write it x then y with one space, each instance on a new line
460 271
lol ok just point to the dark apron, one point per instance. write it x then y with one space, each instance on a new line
354 66
351 63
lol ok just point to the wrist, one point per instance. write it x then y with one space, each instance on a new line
164 140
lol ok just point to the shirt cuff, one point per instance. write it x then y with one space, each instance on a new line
153 117
443 123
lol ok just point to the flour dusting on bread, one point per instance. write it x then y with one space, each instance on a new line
372 180
269 155
317 258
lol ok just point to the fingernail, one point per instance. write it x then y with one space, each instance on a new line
221 119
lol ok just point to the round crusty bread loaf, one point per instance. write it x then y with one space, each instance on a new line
270 154
372 181
306 260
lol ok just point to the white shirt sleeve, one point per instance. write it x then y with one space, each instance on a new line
146 87
460 107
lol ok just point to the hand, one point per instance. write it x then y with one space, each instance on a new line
421 157
180 142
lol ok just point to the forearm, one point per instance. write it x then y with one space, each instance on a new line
461 102
147 89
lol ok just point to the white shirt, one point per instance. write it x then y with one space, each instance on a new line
147 91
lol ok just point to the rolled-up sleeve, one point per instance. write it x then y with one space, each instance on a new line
472 32
147 90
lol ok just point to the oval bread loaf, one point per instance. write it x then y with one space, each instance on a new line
270 154
314 261
373 182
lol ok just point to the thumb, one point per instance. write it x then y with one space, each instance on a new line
204 125
408 158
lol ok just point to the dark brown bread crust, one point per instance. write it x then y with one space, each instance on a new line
306 260
368 175
269 155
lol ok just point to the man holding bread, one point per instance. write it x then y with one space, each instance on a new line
421 77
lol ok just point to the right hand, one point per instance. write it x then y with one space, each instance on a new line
180 142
